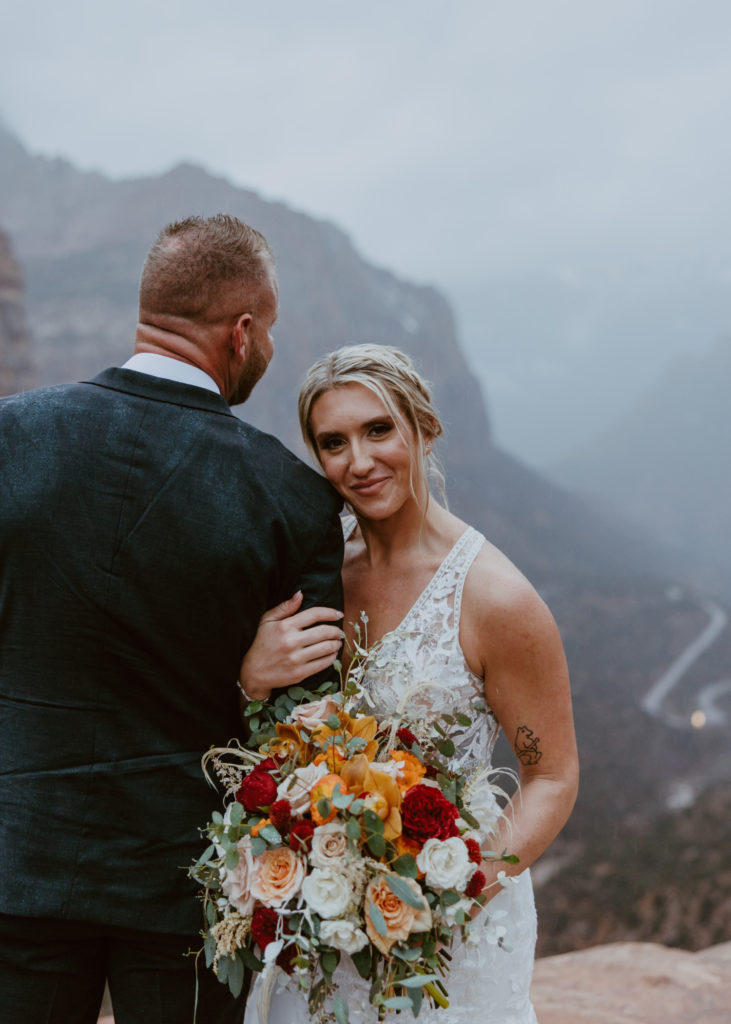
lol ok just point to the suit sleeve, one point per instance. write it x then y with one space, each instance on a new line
320 580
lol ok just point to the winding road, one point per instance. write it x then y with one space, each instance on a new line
707 696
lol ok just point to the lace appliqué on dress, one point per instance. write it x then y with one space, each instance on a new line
421 664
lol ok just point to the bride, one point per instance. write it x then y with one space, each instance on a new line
451 613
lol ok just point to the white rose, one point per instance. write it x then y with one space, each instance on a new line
296 787
327 892
343 935
315 713
329 844
236 882
446 863
484 807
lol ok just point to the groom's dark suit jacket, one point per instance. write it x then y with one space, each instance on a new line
143 531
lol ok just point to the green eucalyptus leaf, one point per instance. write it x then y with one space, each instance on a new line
405 865
372 822
340 1010
377 845
258 846
232 858
237 813
209 948
377 918
464 720
398 1003
235 976
270 834
404 892
418 980
333 722
362 961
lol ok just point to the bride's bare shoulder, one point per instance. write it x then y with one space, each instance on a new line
500 603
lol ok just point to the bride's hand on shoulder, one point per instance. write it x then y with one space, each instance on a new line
289 646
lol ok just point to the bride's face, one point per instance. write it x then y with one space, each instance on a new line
363 454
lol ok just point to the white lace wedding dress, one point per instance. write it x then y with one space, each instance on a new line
486 983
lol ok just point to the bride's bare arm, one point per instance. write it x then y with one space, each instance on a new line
289 646
511 633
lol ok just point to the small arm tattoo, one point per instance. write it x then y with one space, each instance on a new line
526 746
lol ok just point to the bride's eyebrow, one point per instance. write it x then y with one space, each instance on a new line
327 434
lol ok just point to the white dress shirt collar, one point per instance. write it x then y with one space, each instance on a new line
171 369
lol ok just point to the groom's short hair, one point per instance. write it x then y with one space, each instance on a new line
200 268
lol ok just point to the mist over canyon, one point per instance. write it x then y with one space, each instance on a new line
627 603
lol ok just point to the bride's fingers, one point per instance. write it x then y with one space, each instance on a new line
316 634
311 616
324 649
312 668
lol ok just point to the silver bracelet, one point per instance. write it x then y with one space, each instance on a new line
244 694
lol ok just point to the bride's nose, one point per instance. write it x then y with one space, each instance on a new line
361 460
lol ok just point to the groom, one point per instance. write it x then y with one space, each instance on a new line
144 530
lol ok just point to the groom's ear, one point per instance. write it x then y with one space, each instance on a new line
241 334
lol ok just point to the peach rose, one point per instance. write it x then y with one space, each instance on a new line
401 919
277 876
315 713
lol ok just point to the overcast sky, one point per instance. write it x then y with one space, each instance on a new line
555 166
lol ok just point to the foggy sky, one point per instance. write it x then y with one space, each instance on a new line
559 168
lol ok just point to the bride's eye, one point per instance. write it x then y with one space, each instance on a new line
380 429
331 444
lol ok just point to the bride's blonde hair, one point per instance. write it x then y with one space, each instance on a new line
391 375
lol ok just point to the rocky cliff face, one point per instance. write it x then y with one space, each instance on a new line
16 368
83 237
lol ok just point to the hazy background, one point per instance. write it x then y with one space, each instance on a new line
559 169
558 172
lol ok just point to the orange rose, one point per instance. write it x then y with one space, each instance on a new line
412 770
401 920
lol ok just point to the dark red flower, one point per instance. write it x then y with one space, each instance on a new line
427 814
475 885
406 736
431 772
257 791
264 926
281 816
267 765
473 849
301 835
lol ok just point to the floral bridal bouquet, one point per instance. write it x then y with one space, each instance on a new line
344 835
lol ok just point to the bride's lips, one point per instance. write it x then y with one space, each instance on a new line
369 487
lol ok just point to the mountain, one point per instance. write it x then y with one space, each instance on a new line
16 367
82 238
623 615
665 465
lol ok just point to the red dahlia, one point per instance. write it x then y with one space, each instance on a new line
301 835
473 849
406 736
257 791
427 814
281 815
264 926
475 885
